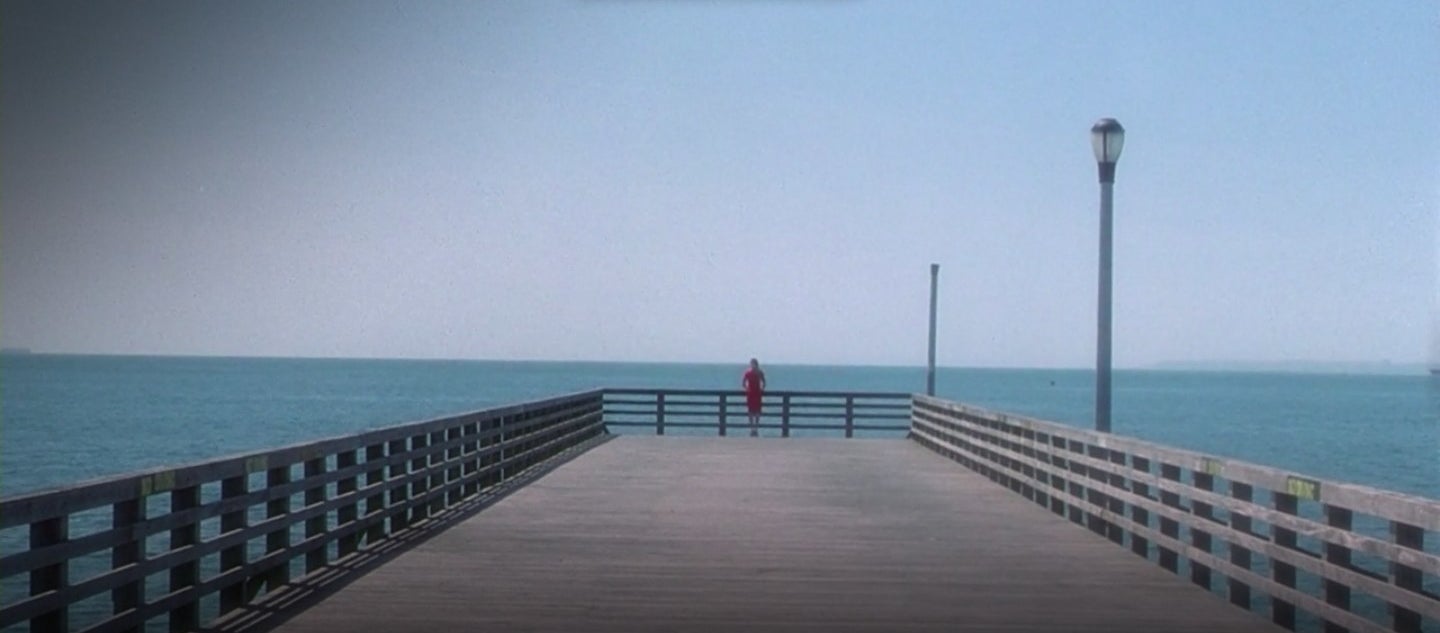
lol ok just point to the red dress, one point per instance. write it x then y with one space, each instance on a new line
753 383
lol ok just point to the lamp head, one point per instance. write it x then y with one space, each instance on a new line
1107 138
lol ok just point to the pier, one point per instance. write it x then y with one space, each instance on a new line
649 509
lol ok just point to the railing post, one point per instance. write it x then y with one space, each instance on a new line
1337 594
1139 545
1039 451
316 525
1117 503
1239 556
1405 576
279 539
233 596
1058 482
849 416
785 415
185 617
126 514
1074 483
1095 494
453 466
472 464
375 503
1169 557
399 469
1201 539
348 513
504 443
724 413
491 429
419 477
45 533
435 473
1282 612
660 414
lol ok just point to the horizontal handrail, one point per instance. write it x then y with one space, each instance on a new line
842 412
883 395
303 508
1171 504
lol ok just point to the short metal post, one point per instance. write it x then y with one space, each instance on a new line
785 416
849 416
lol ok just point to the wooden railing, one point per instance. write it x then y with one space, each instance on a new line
708 412
1350 556
195 543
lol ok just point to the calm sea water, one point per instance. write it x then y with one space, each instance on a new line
69 418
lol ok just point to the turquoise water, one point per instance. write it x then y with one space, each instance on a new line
68 418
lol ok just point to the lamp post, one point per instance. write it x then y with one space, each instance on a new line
930 373
1107 138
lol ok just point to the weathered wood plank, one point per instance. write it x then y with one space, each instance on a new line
675 533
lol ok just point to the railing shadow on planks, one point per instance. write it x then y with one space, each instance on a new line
1344 556
207 542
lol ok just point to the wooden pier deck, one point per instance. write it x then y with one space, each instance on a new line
732 534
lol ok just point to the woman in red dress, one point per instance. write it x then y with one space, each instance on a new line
754 385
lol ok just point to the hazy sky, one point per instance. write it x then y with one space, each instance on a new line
712 181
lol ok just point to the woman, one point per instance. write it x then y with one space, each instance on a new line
753 382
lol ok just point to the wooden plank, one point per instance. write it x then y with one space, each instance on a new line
805 534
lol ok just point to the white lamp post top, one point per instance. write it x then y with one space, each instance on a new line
1107 138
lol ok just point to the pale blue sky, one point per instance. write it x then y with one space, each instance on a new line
711 181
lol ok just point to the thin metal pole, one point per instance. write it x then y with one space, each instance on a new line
1102 355
934 289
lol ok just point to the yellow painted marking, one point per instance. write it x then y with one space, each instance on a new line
1302 487
1210 466
164 481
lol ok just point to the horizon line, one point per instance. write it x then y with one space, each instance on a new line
1249 366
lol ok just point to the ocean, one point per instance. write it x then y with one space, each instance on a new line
65 419
68 418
